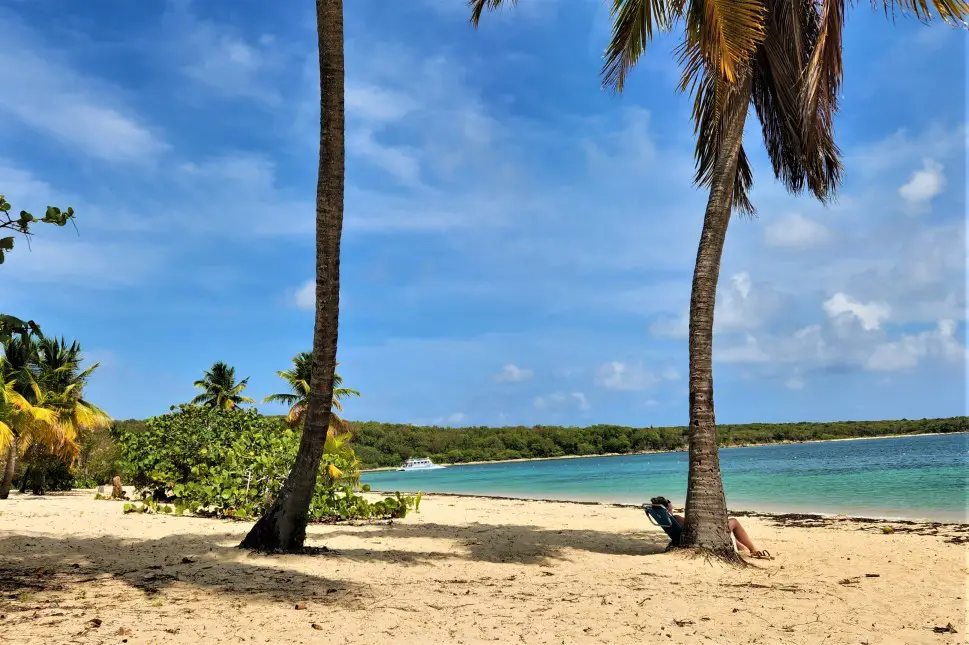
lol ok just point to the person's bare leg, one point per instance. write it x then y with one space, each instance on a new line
738 532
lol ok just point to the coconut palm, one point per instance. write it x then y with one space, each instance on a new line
44 404
63 381
22 424
298 380
784 58
26 420
283 527
219 388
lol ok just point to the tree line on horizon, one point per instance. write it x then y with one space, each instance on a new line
378 444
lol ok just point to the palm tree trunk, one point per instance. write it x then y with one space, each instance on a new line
706 509
283 527
9 469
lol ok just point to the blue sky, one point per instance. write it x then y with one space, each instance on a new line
518 244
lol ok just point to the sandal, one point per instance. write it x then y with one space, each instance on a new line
762 555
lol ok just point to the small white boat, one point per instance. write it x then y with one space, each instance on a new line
420 464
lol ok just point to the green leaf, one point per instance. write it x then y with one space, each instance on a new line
6 243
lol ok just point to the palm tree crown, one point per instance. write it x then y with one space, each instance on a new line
62 380
219 388
41 399
298 380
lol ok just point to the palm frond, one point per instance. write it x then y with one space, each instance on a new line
6 437
953 12
297 414
478 7
723 34
819 98
283 398
633 24
344 392
714 100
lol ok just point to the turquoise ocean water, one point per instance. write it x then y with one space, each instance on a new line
923 477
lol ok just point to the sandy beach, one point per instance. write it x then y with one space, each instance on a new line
470 570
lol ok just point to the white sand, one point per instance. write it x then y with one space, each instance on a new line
467 570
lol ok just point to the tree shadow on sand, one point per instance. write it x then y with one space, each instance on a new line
206 562
521 544
212 561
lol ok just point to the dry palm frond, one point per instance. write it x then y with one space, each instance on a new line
478 7
633 24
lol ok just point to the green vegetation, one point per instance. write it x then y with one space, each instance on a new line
298 380
387 444
43 411
22 223
232 463
219 388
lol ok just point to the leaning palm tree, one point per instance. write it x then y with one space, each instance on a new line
784 58
283 527
60 373
219 388
298 379
23 424
25 417
62 380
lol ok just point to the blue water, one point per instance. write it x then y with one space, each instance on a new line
923 477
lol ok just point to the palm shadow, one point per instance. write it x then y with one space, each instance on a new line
35 563
501 543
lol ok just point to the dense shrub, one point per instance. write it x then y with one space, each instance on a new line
42 471
232 463
97 460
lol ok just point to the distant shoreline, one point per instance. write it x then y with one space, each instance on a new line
785 442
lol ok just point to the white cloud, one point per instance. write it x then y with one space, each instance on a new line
749 352
401 162
795 383
667 326
305 296
906 352
224 62
559 399
49 96
743 306
376 104
513 374
924 184
616 375
581 399
795 231
841 306
456 418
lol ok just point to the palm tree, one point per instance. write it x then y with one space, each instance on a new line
219 388
21 425
44 405
283 527
62 383
26 420
784 58
298 380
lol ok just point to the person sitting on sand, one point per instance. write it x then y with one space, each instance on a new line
743 539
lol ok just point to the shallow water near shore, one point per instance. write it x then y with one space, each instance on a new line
919 477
